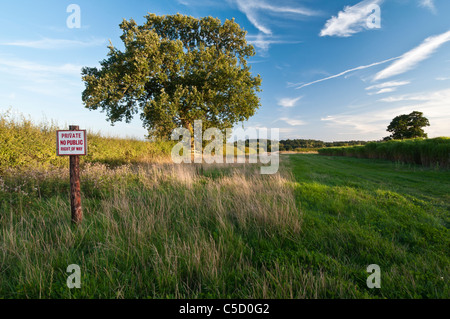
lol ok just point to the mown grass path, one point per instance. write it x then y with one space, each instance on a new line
358 212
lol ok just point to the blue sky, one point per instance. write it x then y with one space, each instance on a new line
327 73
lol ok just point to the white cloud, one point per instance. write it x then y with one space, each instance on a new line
345 72
441 95
287 129
263 42
386 90
62 80
443 78
251 7
292 122
51 44
410 59
357 124
27 66
372 124
264 6
434 105
23 66
388 85
289 102
351 20
429 4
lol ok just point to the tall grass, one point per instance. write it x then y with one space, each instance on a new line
158 231
25 144
427 152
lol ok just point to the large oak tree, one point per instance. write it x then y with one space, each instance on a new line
408 126
175 69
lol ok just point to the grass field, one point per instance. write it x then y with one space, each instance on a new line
169 231
358 212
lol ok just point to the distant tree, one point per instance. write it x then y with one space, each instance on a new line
176 69
408 126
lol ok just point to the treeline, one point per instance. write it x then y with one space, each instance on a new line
299 144
292 145
426 152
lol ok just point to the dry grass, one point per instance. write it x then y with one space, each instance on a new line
173 230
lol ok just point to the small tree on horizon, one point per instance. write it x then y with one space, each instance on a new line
176 69
408 126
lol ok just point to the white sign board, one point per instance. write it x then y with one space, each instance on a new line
71 143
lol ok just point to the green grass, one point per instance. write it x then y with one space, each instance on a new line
357 212
169 231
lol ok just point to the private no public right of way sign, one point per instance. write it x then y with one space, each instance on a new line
73 143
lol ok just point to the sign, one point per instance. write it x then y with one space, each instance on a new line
71 143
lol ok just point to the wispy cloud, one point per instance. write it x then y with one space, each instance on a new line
373 123
443 78
52 44
385 90
18 65
263 42
412 58
429 4
440 95
45 79
351 20
434 105
362 67
358 124
251 8
289 102
293 122
387 85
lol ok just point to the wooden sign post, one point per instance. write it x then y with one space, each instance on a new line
73 143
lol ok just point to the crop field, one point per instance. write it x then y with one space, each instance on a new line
434 152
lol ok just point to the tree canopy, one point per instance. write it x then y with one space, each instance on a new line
175 69
408 126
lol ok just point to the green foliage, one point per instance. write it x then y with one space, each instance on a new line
24 144
306 145
174 70
427 152
408 126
